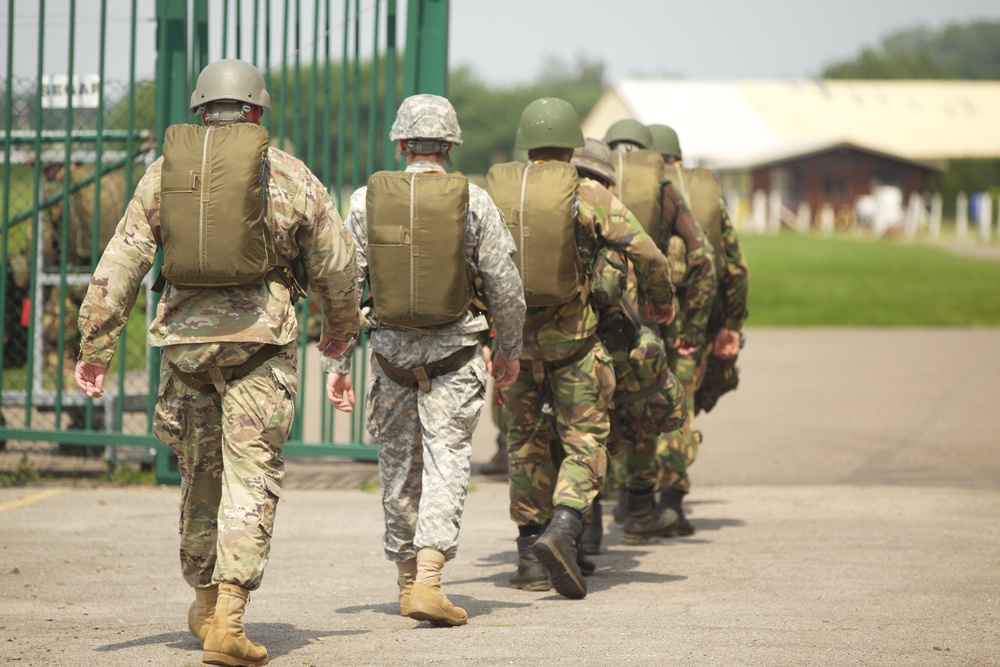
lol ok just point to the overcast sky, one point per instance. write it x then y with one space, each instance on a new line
508 41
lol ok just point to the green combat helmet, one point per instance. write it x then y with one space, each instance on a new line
594 158
665 141
549 122
630 130
230 79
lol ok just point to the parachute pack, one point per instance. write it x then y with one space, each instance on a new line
639 174
417 265
701 190
537 202
213 206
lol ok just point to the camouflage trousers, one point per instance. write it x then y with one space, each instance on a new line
229 453
425 442
678 449
558 458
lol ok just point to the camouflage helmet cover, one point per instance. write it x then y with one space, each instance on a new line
426 117
549 122
230 79
665 140
595 157
630 130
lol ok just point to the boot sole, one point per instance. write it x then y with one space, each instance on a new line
420 613
213 658
534 586
560 571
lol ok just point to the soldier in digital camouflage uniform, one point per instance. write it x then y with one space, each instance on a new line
558 407
424 427
711 370
648 400
228 435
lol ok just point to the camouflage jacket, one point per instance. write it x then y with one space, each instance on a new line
555 332
730 309
489 249
697 289
305 224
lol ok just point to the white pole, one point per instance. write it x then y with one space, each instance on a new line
774 206
802 217
985 216
827 219
759 211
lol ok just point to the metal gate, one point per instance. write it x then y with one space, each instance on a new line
80 127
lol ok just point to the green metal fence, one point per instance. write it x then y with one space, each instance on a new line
77 137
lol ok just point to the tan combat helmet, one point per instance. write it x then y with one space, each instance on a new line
230 79
428 124
665 142
594 159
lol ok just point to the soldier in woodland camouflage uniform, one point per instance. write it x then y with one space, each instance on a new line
559 405
229 373
711 370
421 407
649 400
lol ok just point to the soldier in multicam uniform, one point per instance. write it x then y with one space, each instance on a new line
711 370
648 398
559 405
228 434
424 425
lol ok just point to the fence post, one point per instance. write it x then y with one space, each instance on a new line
937 207
759 211
985 216
962 216
827 218
802 217
774 211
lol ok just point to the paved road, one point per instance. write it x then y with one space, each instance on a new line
847 502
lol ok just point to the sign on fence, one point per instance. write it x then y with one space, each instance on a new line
86 91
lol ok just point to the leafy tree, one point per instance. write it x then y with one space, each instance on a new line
969 51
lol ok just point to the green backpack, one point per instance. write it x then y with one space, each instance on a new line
417 265
537 202
213 206
639 174
700 188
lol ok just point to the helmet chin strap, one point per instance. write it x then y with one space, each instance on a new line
428 147
226 116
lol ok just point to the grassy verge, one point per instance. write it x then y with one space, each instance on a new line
798 280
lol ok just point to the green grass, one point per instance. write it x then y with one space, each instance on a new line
798 280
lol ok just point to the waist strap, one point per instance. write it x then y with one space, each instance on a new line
644 393
216 378
539 367
422 375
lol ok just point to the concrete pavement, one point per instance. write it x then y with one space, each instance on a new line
847 501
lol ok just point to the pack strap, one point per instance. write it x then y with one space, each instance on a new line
215 378
422 375
644 393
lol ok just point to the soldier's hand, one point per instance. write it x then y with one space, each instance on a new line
505 372
684 348
90 379
340 391
727 343
660 315
330 347
488 357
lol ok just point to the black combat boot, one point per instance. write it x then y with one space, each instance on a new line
587 565
556 549
670 499
531 575
643 520
593 532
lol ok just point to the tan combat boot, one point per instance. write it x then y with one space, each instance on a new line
201 612
407 575
226 643
427 601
